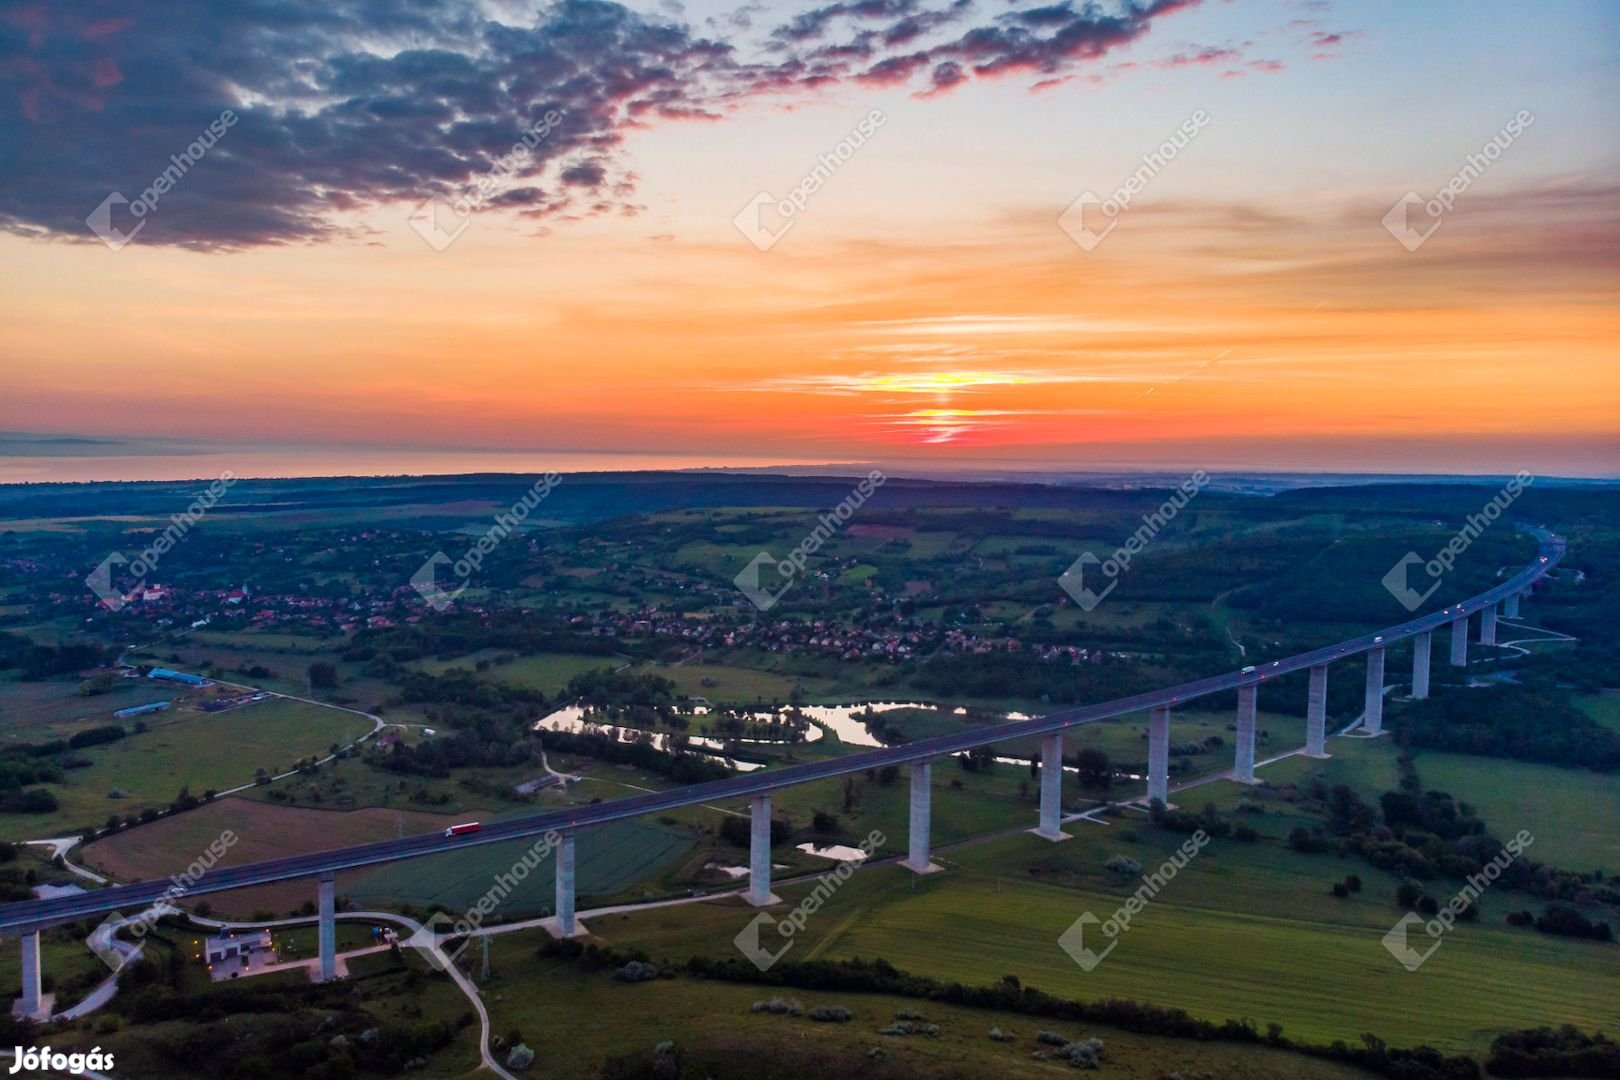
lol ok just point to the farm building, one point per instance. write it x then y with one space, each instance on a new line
170 675
142 710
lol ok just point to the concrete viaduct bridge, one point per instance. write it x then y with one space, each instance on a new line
27 918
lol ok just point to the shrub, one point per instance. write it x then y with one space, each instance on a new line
636 971
832 1014
997 1035
1340 890
1124 864
521 1057
1051 1038
1086 1054
778 1007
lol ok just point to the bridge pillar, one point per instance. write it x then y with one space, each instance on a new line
1158 778
1487 625
1243 768
1052 788
1510 607
759 852
1420 664
1459 641
1373 716
328 927
922 794
566 925
1316 714
32 1001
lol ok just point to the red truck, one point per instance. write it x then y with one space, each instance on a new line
466 827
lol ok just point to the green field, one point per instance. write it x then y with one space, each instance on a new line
1574 815
194 750
573 1020
548 673
608 860
1604 708
54 708
1245 930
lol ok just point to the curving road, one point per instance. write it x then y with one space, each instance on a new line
35 914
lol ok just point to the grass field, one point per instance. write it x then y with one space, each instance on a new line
1245 930
194 750
609 860
53 708
263 831
548 672
574 1020
1573 814
1604 708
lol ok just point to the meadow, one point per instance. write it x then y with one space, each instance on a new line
573 1020
185 750
1244 930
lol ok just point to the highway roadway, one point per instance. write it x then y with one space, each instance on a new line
29 915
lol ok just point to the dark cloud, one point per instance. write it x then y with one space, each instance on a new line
345 105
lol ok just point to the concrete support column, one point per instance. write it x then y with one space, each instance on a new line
1373 718
922 794
31 988
328 927
1052 788
1420 664
1487 625
1243 768
565 886
1316 714
1510 607
1459 641
1159 754
759 852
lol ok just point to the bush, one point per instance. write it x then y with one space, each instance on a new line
997 1035
1051 1038
521 1057
1340 890
832 1014
1123 864
1086 1054
778 1007
636 971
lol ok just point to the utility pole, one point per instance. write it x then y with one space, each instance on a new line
485 939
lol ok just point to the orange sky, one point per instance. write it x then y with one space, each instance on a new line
1249 308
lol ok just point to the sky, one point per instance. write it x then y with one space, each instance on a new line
1049 236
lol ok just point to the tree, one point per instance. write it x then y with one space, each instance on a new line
1094 767
323 675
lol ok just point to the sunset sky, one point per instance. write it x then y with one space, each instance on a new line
1249 309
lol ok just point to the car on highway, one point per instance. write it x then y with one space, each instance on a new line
462 829
1248 670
